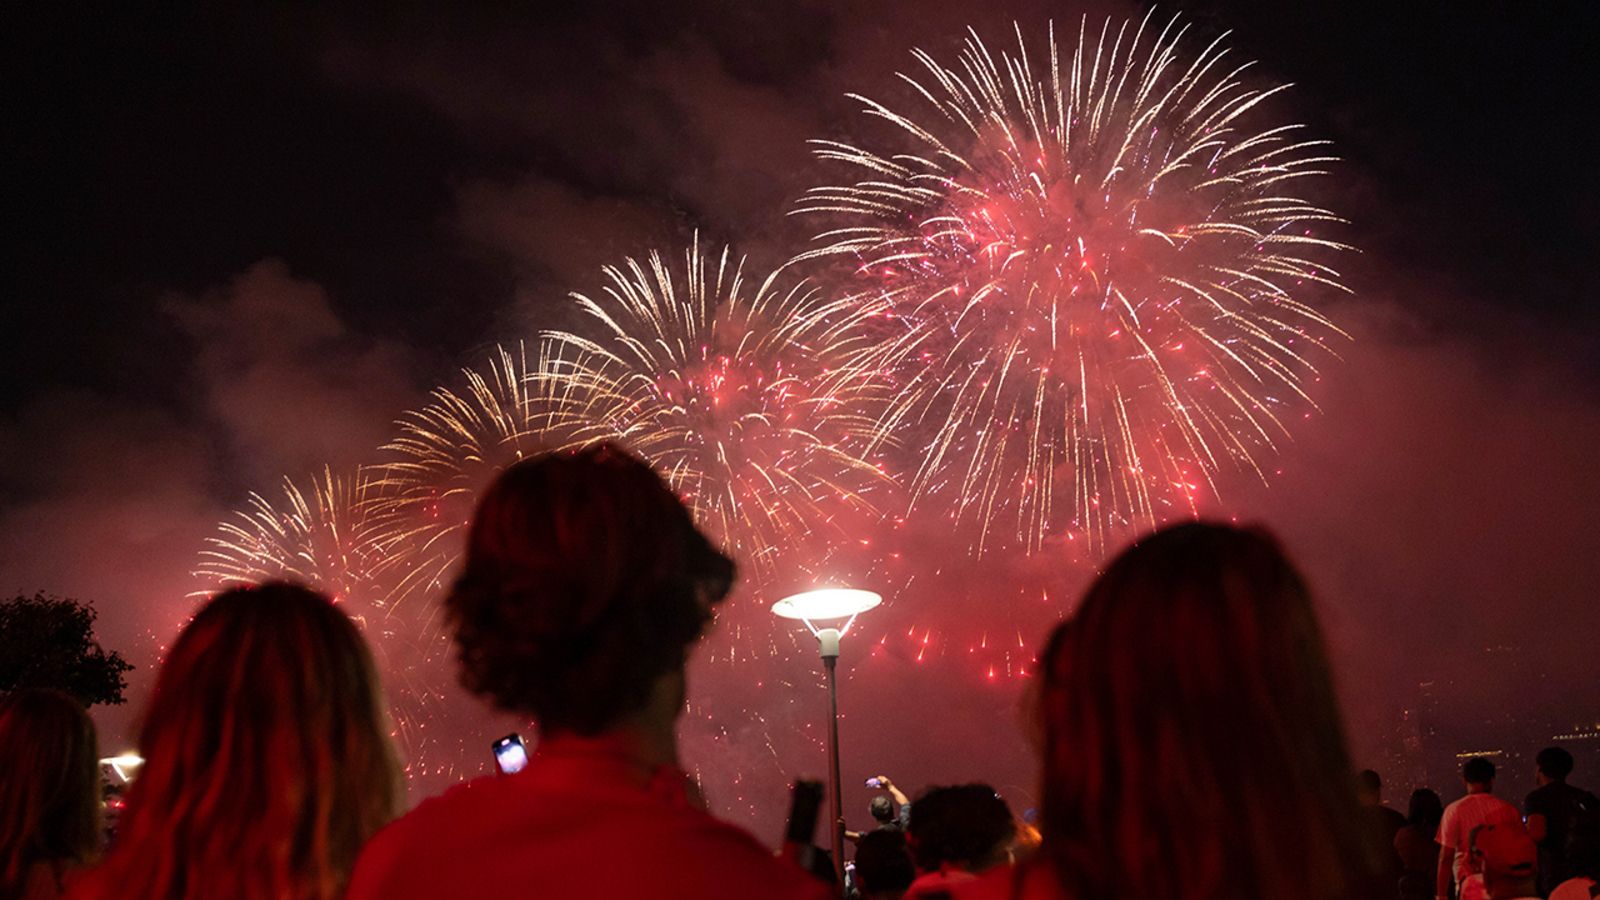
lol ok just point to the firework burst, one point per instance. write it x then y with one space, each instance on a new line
741 394
343 535
334 534
448 451
1093 265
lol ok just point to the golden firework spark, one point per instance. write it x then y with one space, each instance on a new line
335 534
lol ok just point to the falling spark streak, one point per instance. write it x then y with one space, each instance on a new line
1093 273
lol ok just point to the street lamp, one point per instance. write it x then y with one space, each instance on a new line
124 765
828 606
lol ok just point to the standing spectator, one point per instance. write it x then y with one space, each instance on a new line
1504 854
1553 809
584 586
881 808
1191 735
891 810
49 793
956 833
267 758
1456 875
1417 845
1379 825
902 803
883 865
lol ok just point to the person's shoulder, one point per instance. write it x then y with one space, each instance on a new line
446 809
1479 804
459 811
729 856
682 848
1452 810
1578 794
1025 881
1502 807
1573 889
1450 823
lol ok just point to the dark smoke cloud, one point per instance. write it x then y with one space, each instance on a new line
106 501
109 500
1442 505
283 379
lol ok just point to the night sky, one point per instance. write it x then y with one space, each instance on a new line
243 241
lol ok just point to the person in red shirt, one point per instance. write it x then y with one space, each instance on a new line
1479 807
584 585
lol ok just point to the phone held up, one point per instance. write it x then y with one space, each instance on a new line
509 754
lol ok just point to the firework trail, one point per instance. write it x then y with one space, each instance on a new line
1093 266
741 394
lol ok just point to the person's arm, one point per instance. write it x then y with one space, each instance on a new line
1402 844
1538 825
898 795
1444 879
1538 829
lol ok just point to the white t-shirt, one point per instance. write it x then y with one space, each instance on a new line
1573 889
1466 814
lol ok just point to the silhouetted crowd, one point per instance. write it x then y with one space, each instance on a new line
1185 719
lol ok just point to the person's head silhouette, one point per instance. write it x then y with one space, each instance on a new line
1190 726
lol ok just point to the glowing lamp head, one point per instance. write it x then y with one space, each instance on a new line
124 765
826 604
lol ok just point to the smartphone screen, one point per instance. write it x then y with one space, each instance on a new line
509 754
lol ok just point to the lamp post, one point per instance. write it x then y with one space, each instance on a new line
827 606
